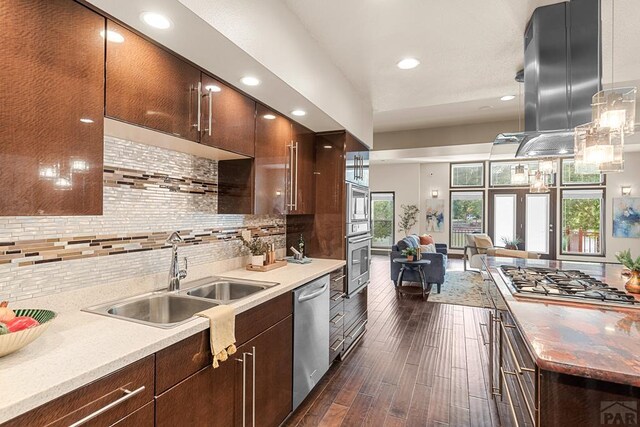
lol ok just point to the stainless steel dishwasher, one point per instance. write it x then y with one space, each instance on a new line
310 336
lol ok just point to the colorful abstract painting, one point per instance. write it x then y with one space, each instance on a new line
626 217
435 215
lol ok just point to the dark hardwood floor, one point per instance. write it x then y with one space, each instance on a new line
419 364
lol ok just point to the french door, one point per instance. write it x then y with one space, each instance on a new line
529 217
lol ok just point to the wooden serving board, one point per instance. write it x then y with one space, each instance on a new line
277 264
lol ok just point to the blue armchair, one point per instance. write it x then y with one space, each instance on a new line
434 272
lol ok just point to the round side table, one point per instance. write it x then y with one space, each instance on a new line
416 266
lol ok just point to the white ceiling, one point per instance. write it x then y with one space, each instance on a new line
470 52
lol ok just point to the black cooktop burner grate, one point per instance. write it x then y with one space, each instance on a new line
570 284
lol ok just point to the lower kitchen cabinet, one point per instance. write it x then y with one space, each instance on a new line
203 399
264 377
131 387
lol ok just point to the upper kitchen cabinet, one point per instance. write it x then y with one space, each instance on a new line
273 137
357 161
148 86
301 171
228 120
51 108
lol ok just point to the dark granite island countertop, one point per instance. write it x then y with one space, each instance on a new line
579 339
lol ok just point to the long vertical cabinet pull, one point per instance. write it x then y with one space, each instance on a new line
295 203
244 388
291 175
210 111
253 388
199 98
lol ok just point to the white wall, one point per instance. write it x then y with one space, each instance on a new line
404 180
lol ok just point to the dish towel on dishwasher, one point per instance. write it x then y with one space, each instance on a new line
222 323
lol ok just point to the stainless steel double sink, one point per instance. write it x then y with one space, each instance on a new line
165 309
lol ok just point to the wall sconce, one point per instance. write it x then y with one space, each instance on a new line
626 190
434 194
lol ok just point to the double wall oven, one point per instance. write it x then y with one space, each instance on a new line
358 238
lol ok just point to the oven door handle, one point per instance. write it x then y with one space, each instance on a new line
364 239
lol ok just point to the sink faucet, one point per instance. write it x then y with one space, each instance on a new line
175 273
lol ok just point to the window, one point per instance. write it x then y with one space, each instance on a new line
502 174
467 216
467 174
382 220
582 222
571 176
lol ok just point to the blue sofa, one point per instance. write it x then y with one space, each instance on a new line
434 272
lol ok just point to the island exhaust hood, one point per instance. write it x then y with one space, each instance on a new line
562 71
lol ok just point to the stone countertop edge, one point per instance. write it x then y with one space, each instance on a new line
580 369
81 347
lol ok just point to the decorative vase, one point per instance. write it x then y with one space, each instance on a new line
409 258
257 259
633 284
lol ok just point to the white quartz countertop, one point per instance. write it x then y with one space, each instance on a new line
81 347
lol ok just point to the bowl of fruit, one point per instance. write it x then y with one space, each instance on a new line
21 326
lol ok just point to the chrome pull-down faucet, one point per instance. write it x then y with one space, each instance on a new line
175 273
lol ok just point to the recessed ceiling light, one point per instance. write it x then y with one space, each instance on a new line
269 116
507 98
408 63
327 146
112 36
212 88
485 107
299 113
250 81
155 20
86 120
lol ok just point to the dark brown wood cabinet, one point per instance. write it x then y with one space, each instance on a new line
302 168
203 399
267 363
273 136
356 160
51 108
148 86
228 118
136 378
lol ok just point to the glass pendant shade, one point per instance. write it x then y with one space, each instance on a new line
547 166
519 175
539 183
599 146
615 109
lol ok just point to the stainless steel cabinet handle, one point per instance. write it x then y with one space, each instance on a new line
355 333
337 279
253 388
295 203
244 388
518 367
291 175
127 395
509 398
337 297
210 111
338 317
337 346
199 98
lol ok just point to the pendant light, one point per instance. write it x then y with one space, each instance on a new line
539 183
519 174
599 145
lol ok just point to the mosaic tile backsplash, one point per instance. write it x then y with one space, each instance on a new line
148 193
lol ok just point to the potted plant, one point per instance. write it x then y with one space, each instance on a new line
511 243
410 253
257 249
408 218
633 284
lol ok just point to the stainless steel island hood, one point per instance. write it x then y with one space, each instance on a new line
562 71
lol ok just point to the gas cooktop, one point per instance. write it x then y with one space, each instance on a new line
573 285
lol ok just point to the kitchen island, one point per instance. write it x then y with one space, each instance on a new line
562 363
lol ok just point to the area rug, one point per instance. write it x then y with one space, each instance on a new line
461 288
